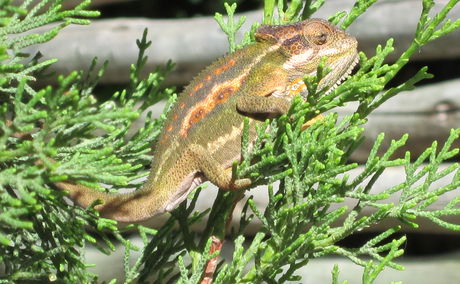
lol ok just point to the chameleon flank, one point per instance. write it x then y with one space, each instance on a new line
202 133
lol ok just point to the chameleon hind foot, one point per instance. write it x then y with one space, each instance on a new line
212 169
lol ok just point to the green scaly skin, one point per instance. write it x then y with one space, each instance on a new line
202 134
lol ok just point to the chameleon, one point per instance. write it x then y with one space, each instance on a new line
201 136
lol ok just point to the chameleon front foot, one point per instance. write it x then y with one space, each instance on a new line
309 123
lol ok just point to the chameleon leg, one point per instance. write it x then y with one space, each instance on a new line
309 123
269 105
213 170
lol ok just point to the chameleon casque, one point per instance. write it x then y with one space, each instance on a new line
202 133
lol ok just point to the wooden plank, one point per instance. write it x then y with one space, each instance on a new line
427 113
193 43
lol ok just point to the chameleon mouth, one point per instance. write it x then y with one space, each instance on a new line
341 70
350 66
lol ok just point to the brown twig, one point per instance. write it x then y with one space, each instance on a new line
217 244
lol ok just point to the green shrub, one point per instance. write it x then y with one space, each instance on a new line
49 134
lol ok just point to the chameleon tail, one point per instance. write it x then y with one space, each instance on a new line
124 207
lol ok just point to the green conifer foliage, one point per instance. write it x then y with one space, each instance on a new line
64 132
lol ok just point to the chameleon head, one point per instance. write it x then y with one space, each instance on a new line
305 43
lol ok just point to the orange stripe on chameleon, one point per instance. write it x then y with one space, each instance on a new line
221 69
198 86
219 94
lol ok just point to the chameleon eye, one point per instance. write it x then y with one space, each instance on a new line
318 33
320 39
